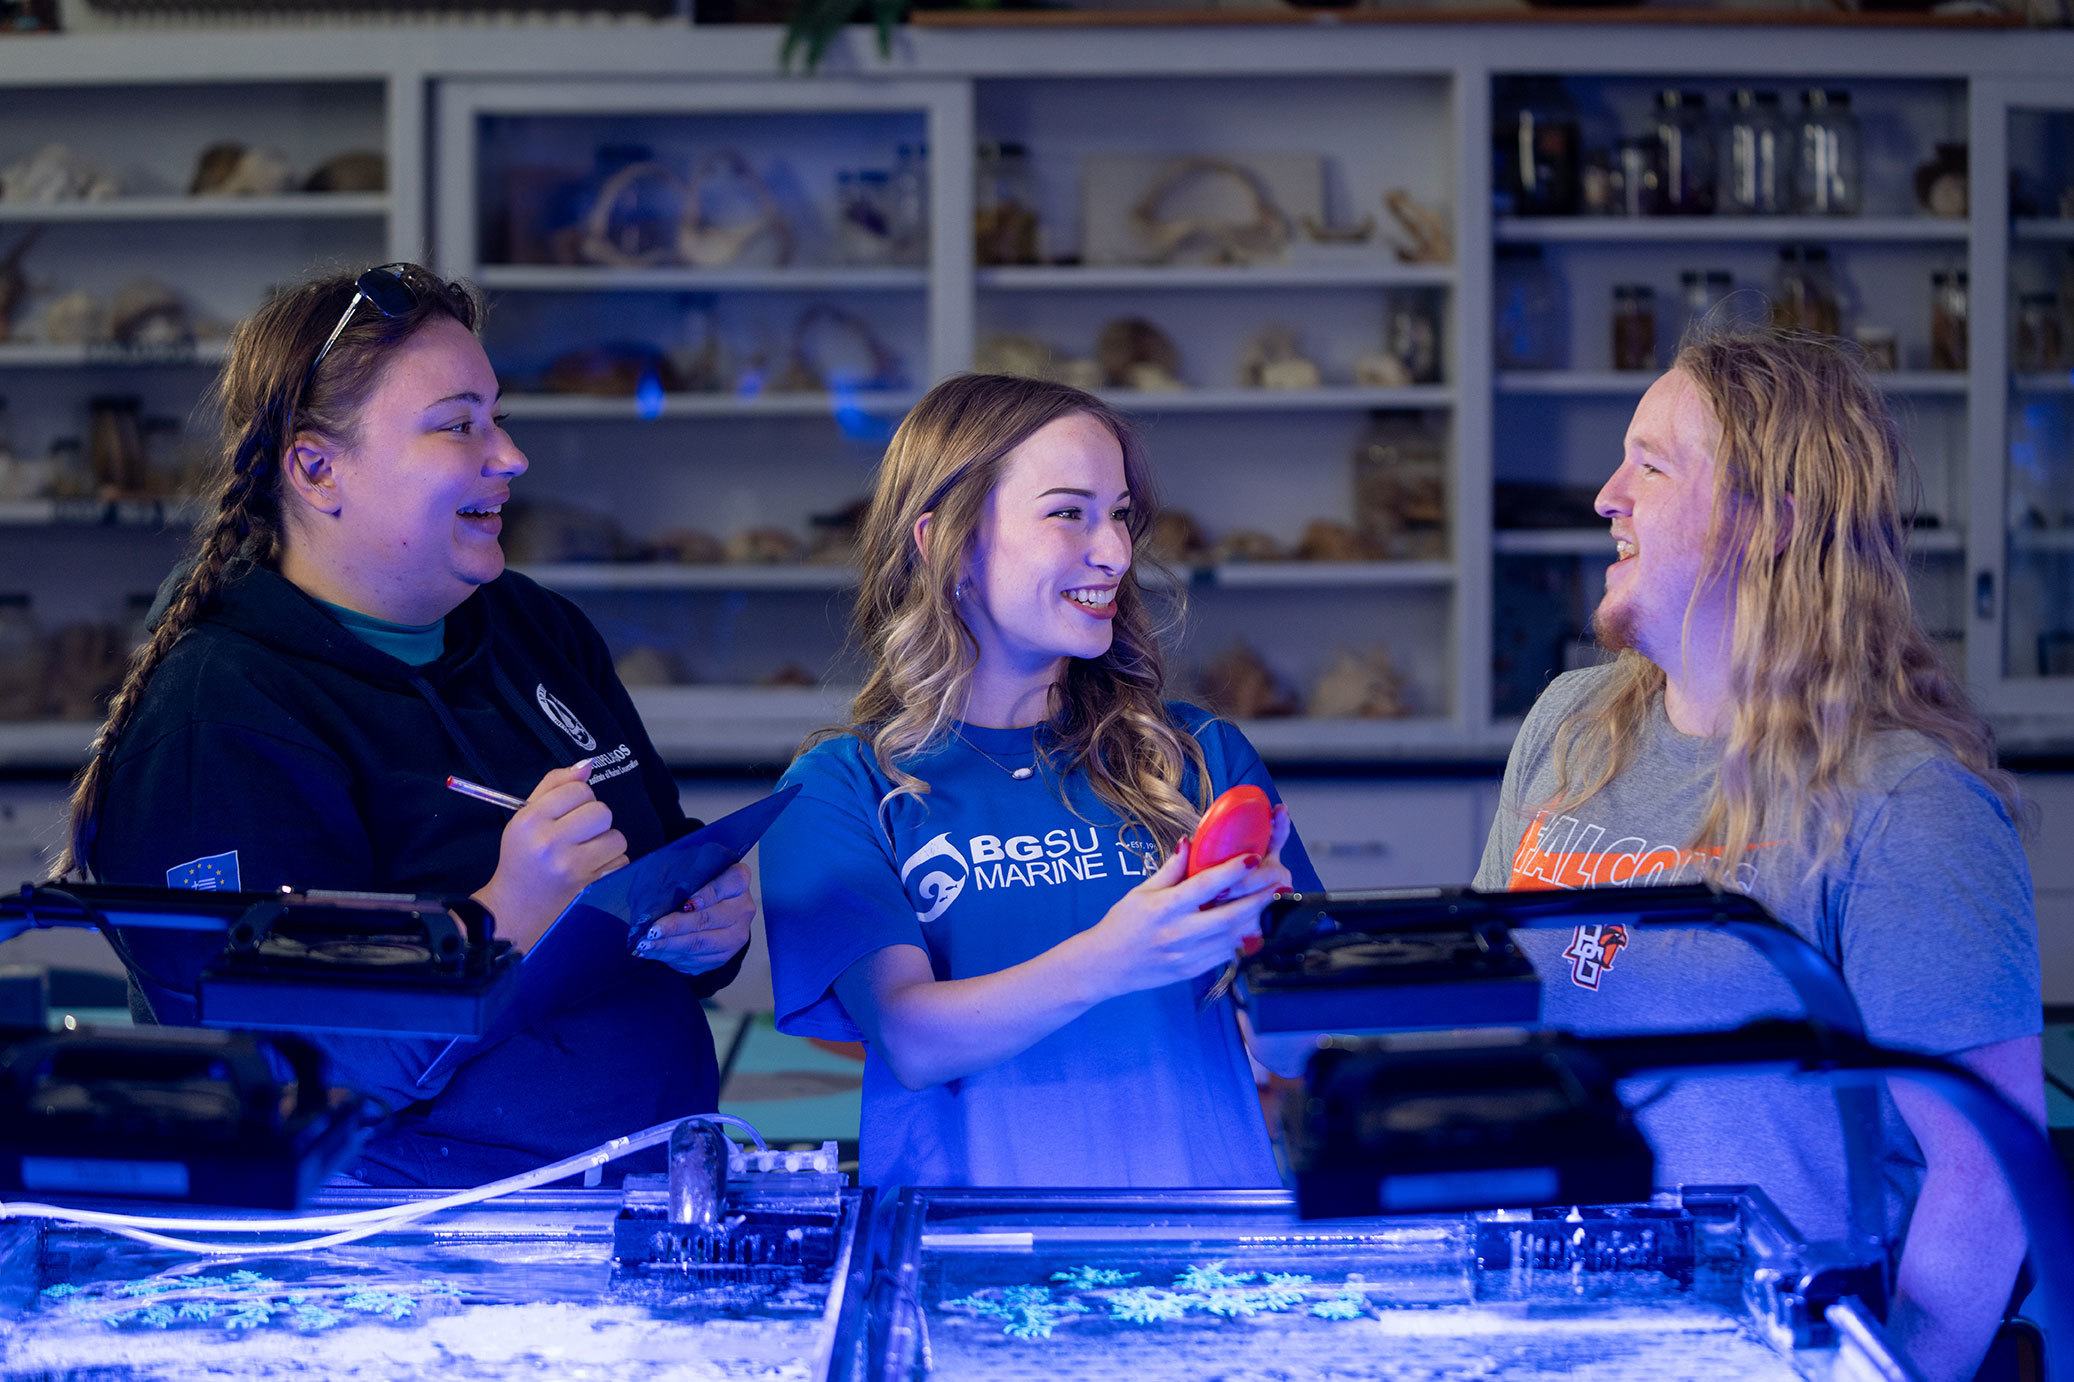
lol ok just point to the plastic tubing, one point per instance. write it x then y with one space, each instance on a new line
358 1224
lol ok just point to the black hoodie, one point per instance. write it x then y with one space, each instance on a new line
274 736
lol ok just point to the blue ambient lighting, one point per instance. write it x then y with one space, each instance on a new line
648 398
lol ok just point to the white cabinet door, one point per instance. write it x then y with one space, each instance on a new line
1391 833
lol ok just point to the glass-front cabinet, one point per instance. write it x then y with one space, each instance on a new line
2023 581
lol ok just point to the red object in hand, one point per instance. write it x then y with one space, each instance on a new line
1239 822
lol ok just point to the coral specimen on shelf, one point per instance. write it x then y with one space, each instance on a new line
1275 360
55 174
1241 684
356 170
1360 685
1428 239
231 169
1135 354
1175 537
1263 235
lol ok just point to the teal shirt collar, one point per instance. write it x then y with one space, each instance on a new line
412 644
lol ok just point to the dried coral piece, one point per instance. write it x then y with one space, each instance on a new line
764 547
724 178
1240 684
74 319
618 370
835 534
237 170
1262 236
1135 354
646 666
690 547
1175 538
85 663
1326 539
147 313
833 347
549 530
1429 238
1009 352
1364 686
1382 370
1275 360
1400 491
356 170
55 174
1247 544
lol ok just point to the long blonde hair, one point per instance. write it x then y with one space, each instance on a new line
1107 715
1826 651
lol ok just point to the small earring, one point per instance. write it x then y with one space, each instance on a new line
958 591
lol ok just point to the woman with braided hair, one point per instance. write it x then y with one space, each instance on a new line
344 639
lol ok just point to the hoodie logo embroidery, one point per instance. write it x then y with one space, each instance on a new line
564 719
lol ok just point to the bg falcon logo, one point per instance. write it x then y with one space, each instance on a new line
940 885
564 719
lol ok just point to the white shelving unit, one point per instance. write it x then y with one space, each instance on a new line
1597 542
1112 278
578 407
1632 383
530 278
1407 107
304 206
1417 398
37 355
144 117
1718 230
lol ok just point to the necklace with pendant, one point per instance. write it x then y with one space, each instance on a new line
1023 774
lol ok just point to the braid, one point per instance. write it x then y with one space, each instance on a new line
269 391
222 539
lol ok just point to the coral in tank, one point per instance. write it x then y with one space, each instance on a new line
242 1300
1208 1290
1025 1312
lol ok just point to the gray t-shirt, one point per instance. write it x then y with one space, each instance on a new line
1926 911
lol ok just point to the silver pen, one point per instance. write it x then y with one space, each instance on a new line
482 793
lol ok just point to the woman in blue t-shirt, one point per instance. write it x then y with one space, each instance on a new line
982 877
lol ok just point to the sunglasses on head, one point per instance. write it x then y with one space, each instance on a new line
388 289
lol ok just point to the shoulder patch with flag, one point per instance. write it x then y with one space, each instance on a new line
216 873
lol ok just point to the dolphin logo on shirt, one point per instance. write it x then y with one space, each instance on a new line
939 886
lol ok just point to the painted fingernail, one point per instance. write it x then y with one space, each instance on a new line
1249 945
1253 861
646 943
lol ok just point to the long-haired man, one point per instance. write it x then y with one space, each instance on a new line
1776 721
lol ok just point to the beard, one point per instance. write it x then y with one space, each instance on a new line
1614 628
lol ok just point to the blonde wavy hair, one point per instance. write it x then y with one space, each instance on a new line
1826 651
1107 716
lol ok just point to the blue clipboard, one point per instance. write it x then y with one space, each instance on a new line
588 943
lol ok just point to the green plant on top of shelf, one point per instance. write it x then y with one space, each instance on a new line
815 23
